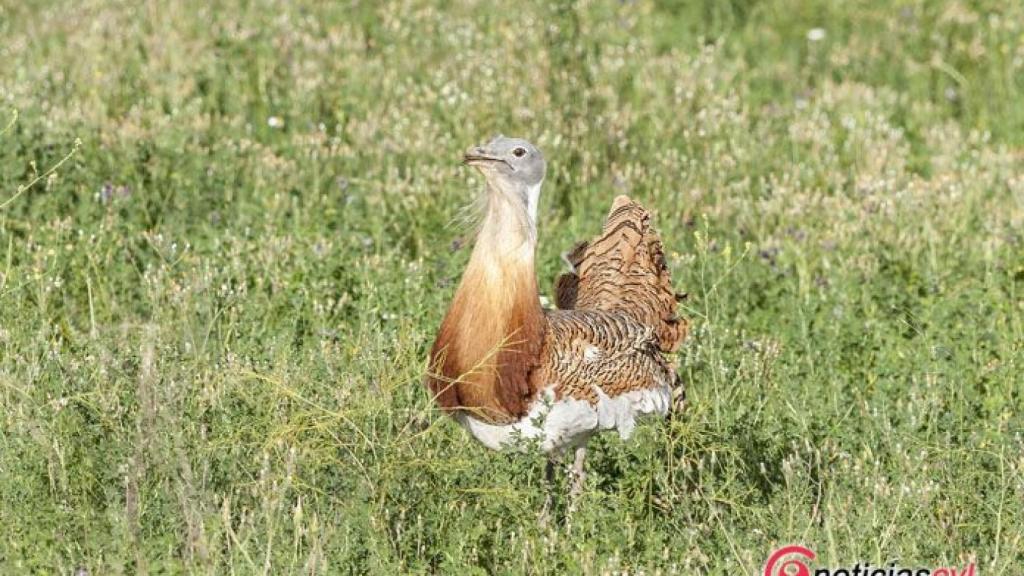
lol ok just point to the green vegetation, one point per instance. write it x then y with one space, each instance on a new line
214 315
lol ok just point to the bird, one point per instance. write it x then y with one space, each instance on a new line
512 372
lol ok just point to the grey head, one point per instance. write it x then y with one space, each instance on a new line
508 161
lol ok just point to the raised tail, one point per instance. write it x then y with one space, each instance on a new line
624 269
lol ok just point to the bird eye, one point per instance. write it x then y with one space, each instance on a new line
519 152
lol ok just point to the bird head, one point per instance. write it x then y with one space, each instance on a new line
511 166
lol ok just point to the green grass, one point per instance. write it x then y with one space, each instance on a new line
213 325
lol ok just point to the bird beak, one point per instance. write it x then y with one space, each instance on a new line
477 156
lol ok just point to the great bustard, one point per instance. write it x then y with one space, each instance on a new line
508 370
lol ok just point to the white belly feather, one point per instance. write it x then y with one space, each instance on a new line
557 424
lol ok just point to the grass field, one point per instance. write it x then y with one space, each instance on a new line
215 311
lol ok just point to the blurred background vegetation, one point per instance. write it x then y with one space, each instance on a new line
214 313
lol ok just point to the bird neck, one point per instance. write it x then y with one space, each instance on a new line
509 227
491 336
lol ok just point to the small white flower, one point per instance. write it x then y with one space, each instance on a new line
816 34
275 122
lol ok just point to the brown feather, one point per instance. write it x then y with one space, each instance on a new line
496 347
487 345
624 269
590 349
566 289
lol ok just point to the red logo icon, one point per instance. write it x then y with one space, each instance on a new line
791 567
